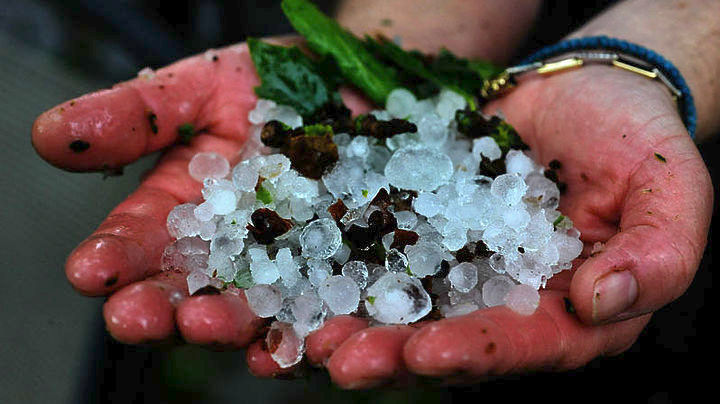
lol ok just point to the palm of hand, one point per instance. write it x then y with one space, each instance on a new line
605 173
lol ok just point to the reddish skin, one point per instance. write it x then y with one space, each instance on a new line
261 364
497 341
145 311
576 117
321 344
371 357
220 321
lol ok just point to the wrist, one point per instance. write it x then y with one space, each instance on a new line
686 36
490 29
619 54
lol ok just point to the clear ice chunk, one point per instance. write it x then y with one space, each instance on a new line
463 277
425 257
262 269
320 239
522 299
495 289
309 313
400 103
264 300
406 219
486 146
395 261
285 346
208 165
181 221
357 271
510 188
397 298
341 294
418 169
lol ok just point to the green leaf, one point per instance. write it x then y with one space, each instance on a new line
288 77
263 195
413 68
370 299
507 137
558 220
317 130
474 125
326 37
243 279
425 76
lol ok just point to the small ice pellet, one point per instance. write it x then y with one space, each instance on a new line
309 314
395 261
320 239
508 187
318 271
397 298
400 103
495 289
262 269
342 254
181 221
418 169
516 162
198 280
424 258
463 277
427 204
204 212
273 165
259 115
288 269
449 102
264 300
245 176
357 271
285 346
486 146
208 165
433 132
568 247
522 299
406 219
516 219
341 294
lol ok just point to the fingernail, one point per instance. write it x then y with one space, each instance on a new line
613 294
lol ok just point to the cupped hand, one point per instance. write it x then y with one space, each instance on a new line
605 129
636 184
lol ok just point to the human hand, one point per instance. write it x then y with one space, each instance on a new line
127 247
111 128
635 182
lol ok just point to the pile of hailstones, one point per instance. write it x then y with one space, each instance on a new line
292 279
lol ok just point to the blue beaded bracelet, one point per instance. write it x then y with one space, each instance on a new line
670 72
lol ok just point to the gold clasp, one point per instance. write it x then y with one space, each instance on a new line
497 85
560 65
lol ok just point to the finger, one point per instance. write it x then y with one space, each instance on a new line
261 364
111 128
145 311
128 245
663 228
370 358
497 341
222 321
321 344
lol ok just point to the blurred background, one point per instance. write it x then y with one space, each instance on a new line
53 346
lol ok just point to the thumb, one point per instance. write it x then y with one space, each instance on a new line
661 237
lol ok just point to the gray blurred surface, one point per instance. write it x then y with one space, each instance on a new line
45 212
